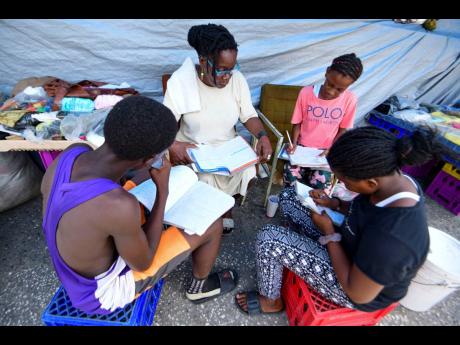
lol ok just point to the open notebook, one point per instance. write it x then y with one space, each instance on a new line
230 157
305 157
192 205
306 200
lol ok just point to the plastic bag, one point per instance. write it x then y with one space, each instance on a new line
412 115
31 94
19 179
76 125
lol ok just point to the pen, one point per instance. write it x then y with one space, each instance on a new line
289 138
334 182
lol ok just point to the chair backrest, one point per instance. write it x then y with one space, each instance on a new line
164 81
277 103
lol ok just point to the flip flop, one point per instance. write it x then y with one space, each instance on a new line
228 280
253 303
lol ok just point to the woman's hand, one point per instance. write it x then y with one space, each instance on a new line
161 176
324 153
264 149
320 197
291 148
323 223
178 153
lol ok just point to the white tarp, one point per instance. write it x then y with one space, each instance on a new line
398 59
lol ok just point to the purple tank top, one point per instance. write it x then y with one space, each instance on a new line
64 196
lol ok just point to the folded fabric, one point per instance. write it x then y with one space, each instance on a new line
9 118
105 101
183 88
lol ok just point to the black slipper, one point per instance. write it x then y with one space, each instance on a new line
228 279
253 303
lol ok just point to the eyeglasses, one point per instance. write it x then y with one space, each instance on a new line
158 162
221 72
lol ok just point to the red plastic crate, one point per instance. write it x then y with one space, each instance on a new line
48 157
305 307
445 190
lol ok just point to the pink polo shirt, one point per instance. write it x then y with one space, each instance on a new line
321 119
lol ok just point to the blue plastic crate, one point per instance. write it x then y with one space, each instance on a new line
140 312
390 124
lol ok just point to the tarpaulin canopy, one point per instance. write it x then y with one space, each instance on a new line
402 59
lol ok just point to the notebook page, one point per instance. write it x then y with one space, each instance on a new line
308 156
199 208
230 155
306 200
181 179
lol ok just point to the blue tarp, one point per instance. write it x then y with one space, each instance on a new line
401 59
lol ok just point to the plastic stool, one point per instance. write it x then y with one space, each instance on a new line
140 312
305 307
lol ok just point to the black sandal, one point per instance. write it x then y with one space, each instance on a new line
253 303
228 280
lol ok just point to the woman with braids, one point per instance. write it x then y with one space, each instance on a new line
208 99
321 115
368 262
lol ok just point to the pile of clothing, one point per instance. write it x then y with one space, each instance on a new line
445 118
52 108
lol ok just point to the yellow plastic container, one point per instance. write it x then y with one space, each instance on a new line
452 170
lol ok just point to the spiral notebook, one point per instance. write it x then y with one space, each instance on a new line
230 157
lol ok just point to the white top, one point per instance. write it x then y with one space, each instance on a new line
401 195
220 110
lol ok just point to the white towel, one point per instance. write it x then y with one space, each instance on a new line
183 88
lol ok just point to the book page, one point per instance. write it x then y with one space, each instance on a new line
232 155
181 179
306 200
199 208
308 157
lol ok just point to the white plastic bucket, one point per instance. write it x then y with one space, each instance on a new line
438 277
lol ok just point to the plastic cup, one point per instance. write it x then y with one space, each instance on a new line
272 205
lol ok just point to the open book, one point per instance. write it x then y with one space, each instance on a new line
192 205
230 157
306 157
306 200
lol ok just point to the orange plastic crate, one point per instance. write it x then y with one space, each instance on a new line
305 307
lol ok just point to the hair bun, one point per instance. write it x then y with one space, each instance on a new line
403 150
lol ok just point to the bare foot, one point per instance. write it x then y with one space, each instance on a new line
267 305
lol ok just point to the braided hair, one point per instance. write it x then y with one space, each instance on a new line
349 65
209 40
369 152
139 127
